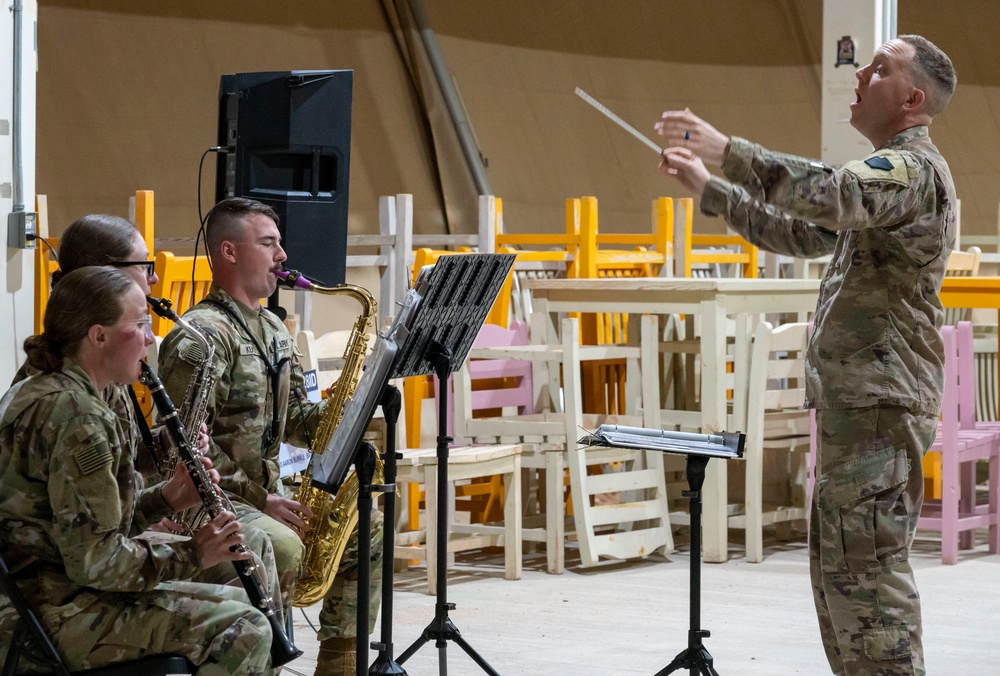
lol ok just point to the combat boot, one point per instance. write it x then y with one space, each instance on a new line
337 657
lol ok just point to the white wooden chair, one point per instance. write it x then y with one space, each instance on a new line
464 463
419 466
776 421
633 528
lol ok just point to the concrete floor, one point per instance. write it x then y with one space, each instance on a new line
632 617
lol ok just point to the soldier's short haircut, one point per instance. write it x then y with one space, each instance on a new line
225 220
85 297
933 72
97 239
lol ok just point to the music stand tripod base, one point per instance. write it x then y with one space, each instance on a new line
461 291
695 658
698 448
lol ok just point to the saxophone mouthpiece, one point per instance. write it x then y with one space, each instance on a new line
293 279
161 306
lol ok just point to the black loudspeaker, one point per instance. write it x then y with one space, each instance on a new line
289 140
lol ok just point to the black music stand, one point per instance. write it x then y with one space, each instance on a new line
384 664
436 331
699 449
461 290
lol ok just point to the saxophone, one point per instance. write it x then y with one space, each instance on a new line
335 517
194 406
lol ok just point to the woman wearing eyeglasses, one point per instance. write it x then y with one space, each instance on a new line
112 241
101 239
69 499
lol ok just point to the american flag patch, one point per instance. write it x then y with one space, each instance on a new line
92 458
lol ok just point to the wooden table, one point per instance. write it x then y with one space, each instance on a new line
713 300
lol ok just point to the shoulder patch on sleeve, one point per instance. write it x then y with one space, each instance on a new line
879 163
93 457
884 166
192 353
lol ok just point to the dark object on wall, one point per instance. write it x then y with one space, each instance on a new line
288 136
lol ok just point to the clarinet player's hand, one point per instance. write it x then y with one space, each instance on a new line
216 539
288 512
179 490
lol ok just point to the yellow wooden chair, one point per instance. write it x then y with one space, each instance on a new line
183 281
45 262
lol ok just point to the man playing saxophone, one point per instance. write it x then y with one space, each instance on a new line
258 402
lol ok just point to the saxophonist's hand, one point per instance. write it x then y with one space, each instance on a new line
179 490
288 512
216 539
203 439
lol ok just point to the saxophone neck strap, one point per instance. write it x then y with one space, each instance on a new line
274 369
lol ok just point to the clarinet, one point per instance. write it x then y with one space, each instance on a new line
282 649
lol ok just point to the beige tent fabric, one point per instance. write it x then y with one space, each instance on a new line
127 97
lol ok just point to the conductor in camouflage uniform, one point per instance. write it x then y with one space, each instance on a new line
70 505
257 403
875 361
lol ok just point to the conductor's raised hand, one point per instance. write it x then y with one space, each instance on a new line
289 512
216 539
684 129
686 167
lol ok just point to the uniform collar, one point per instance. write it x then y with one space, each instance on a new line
907 136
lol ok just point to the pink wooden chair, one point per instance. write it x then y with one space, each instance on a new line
507 381
961 445
499 384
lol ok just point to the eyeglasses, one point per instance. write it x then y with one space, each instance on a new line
147 325
125 264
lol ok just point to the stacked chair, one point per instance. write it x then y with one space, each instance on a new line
962 444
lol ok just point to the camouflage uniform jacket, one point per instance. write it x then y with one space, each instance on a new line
120 402
889 221
68 499
240 410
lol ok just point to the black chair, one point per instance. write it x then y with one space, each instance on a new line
32 643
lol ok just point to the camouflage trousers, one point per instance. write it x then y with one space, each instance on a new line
338 617
257 542
213 626
339 613
869 490
286 545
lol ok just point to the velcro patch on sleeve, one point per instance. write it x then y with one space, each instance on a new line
192 353
91 458
885 166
